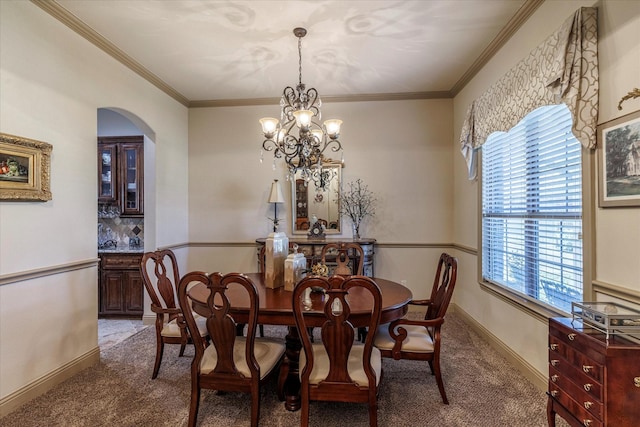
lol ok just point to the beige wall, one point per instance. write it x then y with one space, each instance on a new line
617 231
52 82
401 149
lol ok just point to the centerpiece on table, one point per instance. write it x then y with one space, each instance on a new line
357 203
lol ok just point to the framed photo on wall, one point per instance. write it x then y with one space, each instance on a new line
25 169
619 161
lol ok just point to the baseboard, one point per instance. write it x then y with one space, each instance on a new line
539 379
41 385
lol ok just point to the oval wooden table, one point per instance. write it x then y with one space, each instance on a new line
276 309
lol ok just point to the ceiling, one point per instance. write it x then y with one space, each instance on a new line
213 52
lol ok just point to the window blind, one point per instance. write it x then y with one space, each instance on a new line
532 208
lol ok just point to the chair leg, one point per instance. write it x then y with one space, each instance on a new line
255 406
194 405
261 331
156 366
436 368
182 347
304 410
373 413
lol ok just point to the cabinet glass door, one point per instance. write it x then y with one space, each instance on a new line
107 173
132 185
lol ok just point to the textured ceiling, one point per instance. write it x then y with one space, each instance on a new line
210 51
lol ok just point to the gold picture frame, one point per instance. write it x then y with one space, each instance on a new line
619 161
25 169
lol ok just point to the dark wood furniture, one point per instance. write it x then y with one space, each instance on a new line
120 285
312 250
121 173
347 256
276 309
229 363
421 339
327 372
160 276
592 381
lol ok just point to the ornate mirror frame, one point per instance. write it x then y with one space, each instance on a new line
308 200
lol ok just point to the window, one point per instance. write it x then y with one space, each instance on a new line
532 209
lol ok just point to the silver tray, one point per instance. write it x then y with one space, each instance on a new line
608 317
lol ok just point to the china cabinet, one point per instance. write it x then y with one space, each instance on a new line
120 285
120 173
594 379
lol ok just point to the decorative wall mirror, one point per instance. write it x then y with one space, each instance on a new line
317 197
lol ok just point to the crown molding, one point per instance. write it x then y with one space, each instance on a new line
514 24
54 9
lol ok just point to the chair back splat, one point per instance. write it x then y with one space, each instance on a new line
345 253
421 339
338 368
230 362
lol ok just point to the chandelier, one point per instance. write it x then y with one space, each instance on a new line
300 111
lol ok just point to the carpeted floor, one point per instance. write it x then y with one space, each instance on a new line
483 390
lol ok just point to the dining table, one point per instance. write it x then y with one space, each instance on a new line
276 308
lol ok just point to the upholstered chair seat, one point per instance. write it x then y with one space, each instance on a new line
418 339
172 329
268 353
354 364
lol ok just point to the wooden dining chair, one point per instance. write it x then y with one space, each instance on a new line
338 369
421 339
230 362
160 276
345 265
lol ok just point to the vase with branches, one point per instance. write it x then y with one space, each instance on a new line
357 203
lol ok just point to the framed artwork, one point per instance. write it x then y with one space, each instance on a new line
619 161
25 169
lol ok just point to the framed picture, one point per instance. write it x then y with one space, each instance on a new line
619 161
25 169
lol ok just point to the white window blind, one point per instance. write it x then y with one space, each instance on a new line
532 208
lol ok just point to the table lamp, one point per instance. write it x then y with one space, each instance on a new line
276 197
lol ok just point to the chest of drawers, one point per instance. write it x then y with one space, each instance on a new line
593 381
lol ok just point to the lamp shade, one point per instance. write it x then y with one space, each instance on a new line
276 195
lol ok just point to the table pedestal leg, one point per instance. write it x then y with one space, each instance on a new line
289 374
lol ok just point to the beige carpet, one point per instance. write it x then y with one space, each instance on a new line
483 390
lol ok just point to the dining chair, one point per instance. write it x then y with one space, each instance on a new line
230 362
421 339
160 276
345 265
343 262
338 369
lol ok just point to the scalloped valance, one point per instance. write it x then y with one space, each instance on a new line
562 69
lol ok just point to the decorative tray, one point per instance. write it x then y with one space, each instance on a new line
608 317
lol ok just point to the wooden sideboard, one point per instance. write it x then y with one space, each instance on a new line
312 250
120 285
593 381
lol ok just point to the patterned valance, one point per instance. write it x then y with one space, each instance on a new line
563 69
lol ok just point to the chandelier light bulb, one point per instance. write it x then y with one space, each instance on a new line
333 127
269 126
317 135
303 118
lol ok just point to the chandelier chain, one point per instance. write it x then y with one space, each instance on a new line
300 61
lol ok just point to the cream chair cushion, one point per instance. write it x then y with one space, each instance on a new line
418 339
354 364
267 351
171 329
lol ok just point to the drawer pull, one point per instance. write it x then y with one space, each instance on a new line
554 393
588 405
587 423
587 386
554 378
554 362
572 336
587 368
636 381
553 347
